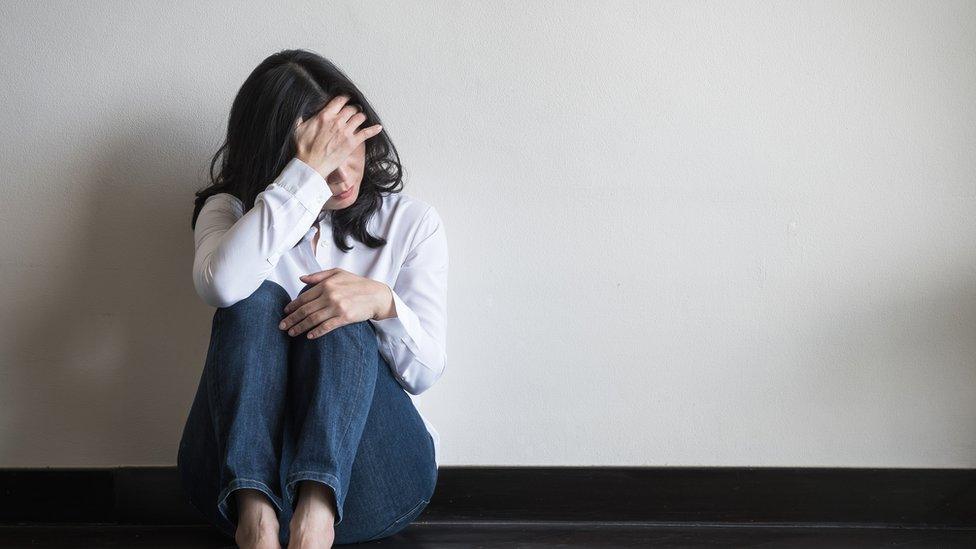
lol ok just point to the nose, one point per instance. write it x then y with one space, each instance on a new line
339 175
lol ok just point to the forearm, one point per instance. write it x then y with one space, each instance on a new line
235 252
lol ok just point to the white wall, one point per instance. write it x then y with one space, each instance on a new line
682 233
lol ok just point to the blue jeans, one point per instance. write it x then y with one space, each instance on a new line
272 410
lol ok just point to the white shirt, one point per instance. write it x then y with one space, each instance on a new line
236 251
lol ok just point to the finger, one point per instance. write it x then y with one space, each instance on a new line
356 120
346 114
296 316
296 321
369 132
292 319
311 321
313 278
335 104
325 327
303 298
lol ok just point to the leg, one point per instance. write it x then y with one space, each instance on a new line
232 437
394 474
331 380
352 427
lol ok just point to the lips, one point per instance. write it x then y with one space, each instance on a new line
343 194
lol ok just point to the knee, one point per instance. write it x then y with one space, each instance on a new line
355 333
362 329
269 297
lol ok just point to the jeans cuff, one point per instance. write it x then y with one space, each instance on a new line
291 490
223 505
401 522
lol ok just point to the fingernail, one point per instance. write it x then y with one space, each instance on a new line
282 325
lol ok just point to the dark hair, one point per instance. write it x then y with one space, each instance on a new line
259 143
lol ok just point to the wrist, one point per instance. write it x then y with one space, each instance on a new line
386 307
322 168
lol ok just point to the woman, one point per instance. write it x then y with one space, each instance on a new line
302 431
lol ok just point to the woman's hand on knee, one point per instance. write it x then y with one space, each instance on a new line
336 298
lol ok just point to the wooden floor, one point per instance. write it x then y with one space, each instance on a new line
541 508
520 535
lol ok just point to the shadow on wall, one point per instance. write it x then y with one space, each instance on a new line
106 355
898 363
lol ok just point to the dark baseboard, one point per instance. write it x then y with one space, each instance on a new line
724 495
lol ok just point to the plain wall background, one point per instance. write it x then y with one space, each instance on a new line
681 233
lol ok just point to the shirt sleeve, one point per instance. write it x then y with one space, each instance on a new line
414 341
236 251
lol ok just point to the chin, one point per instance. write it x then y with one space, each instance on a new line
340 204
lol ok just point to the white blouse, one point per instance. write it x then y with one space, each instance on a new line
237 251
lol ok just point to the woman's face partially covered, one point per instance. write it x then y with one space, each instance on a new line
344 181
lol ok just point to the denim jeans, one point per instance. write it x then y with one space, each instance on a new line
272 410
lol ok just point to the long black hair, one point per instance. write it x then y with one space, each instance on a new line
259 143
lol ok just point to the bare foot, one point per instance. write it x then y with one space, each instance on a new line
312 525
257 521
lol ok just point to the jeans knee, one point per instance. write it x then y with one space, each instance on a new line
272 289
357 329
269 297
361 331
